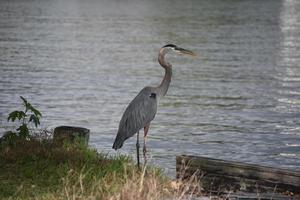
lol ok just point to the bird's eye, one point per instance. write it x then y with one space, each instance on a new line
152 95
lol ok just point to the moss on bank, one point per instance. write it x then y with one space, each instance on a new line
35 169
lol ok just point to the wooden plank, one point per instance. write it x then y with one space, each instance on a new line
226 175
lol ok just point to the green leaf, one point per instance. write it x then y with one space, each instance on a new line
35 111
23 131
24 100
35 120
26 104
21 115
16 115
13 115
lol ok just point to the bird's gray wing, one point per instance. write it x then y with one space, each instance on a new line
138 114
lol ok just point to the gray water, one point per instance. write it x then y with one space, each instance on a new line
81 63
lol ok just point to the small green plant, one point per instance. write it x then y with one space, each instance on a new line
29 115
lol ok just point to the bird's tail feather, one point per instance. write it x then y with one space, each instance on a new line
118 143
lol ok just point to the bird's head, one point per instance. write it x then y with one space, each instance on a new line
171 47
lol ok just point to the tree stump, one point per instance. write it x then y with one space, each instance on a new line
71 134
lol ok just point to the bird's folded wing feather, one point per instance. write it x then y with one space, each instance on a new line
139 113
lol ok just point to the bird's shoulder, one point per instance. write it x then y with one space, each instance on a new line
144 102
146 97
147 92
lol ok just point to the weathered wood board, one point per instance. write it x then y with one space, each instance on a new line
221 175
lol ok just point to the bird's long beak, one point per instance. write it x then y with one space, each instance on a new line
185 52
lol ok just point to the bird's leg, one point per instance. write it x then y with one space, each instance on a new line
146 129
138 150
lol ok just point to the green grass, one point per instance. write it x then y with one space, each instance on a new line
42 169
34 169
30 168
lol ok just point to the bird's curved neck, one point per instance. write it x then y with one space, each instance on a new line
164 85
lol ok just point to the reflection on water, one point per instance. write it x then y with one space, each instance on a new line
82 63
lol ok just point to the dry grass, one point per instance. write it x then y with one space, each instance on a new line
147 184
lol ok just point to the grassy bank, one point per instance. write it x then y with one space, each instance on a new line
38 168
35 169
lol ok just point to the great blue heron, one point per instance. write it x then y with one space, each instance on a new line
142 109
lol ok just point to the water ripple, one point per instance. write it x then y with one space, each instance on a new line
81 63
